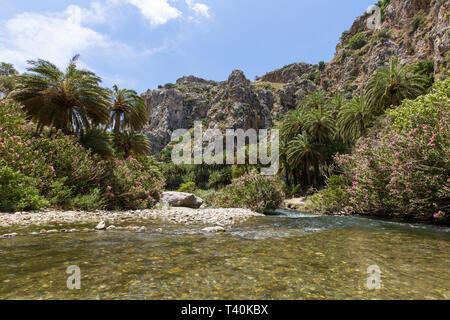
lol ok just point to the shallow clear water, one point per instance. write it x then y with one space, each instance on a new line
294 256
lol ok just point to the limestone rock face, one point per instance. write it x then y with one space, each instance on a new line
289 73
181 199
236 103
412 30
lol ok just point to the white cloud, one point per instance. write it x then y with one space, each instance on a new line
58 36
200 9
55 37
156 11
95 15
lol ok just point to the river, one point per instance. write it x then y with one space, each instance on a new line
288 256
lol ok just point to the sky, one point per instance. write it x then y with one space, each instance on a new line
140 44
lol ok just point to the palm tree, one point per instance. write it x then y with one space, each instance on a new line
8 76
98 141
292 124
354 118
303 152
284 165
314 100
132 142
388 86
319 123
71 101
128 111
336 103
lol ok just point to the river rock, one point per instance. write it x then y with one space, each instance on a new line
101 226
10 235
213 229
181 199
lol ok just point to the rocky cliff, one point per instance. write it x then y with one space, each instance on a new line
235 103
413 30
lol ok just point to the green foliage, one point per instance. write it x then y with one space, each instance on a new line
11 116
170 86
132 186
354 118
425 69
18 192
357 41
344 36
128 117
66 174
424 110
405 168
71 101
90 202
384 34
333 198
132 143
188 187
322 65
59 194
7 78
389 86
99 142
253 191
218 179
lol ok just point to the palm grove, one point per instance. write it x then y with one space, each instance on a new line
108 124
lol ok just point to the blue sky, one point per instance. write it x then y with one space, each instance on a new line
140 44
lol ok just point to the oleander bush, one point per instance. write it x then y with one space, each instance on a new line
54 169
133 186
404 169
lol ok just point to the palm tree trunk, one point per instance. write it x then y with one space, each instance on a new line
316 173
117 128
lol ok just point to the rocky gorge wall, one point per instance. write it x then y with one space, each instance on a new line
412 30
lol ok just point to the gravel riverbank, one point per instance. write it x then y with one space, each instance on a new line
214 219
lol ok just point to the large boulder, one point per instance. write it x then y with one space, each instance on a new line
181 199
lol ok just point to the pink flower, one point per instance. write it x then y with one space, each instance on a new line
437 214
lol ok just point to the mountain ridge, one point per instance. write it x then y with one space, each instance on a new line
412 30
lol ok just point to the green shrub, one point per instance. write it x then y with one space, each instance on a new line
11 116
170 86
17 192
357 41
131 186
253 191
188 187
426 69
60 194
58 168
333 198
405 169
91 202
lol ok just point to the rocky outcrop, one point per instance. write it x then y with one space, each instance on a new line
181 199
235 103
289 73
412 30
